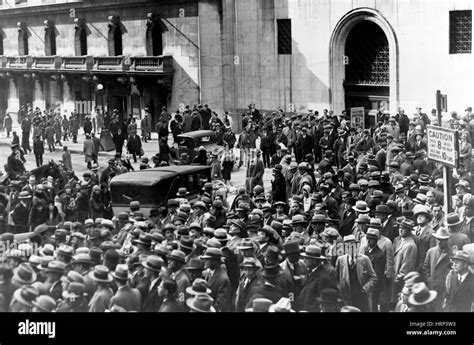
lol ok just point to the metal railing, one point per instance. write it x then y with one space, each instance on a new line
163 63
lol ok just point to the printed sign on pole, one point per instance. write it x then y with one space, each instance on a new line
443 145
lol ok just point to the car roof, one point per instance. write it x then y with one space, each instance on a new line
149 177
197 134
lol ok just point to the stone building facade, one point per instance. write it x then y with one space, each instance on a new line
295 55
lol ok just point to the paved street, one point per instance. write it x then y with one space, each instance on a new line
150 148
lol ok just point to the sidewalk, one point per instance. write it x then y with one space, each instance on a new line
150 148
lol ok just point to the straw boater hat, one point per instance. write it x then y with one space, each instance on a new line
201 303
101 274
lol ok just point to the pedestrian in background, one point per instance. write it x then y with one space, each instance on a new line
38 150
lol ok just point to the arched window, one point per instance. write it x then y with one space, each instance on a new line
115 36
22 39
80 38
154 37
49 38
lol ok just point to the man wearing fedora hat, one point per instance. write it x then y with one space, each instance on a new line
148 286
378 260
356 276
125 297
278 185
20 214
176 263
421 298
388 230
329 301
249 284
271 288
53 273
405 255
217 279
294 269
456 238
320 274
102 278
459 285
437 265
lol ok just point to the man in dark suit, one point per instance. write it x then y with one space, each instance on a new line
459 285
329 203
437 266
125 297
347 218
217 279
378 260
326 164
151 300
388 223
248 285
176 263
294 269
320 275
20 214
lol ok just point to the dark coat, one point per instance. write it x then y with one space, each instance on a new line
219 284
389 230
294 284
134 144
436 268
378 260
459 298
245 294
38 147
171 306
127 298
20 218
346 223
232 266
332 207
279 188
321 278
152 302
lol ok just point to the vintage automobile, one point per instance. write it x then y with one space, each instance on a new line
190 143
153 187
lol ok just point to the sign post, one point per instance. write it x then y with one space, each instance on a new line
441 105
443 147
358 117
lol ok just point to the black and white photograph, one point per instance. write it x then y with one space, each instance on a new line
237 156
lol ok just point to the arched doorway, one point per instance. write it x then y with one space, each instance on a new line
363 62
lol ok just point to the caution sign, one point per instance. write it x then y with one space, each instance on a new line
443 145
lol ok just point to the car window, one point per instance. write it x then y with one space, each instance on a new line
205 140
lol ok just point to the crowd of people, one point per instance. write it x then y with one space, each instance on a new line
353 221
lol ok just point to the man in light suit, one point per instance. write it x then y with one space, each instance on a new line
294 269
437 266
459 285
405 256
127 298
356 276
217 279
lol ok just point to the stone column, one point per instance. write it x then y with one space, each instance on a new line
39 100
13 101
68 99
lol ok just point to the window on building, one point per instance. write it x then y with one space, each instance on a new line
154 37
284 36
80 41
22 42
460 32
20 2
50 40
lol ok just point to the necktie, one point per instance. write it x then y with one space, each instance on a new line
459 280
246 283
